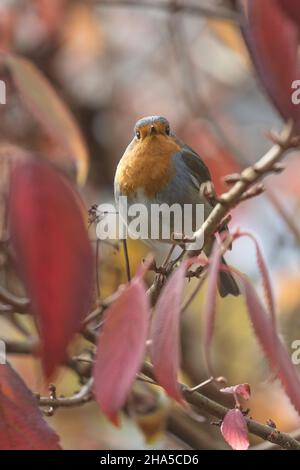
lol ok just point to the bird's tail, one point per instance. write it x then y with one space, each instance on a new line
227 284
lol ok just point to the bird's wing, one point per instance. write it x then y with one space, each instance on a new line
198 170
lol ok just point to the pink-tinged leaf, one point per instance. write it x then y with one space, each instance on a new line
165 333
278 357
121 348
241 389
49 110
265 330
53 255
234 430
266 282
209 310
22 426
275 55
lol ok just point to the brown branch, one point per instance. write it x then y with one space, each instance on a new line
182 426
249 177
20 304
173 7
30 346
80 398
193 397
126 257
20 347
206 405
272 446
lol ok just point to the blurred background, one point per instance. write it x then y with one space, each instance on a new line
112 64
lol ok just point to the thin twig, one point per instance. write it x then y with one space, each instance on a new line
127 262
20 304
83 396
97 267
248 178
272 446
193 295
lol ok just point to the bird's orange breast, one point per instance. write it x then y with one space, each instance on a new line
147 164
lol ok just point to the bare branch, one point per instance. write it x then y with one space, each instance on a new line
20 304
249 177
206 405
80 398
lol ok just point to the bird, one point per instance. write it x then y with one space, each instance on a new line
156 168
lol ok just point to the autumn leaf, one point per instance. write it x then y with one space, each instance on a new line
274 55
264 328
165 333
53 255
278 357
209 310
121 347
22 426
47 107
241 389
234 430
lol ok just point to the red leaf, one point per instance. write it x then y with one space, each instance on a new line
265 330
121 347
241 389
276 353
22 426
275 55
234 430
165 347
42 101
53 255
209 310
291 9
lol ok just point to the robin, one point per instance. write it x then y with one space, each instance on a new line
158 168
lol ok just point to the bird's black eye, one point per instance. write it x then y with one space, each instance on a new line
168 130
138 134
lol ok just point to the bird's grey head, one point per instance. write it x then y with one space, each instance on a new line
151 126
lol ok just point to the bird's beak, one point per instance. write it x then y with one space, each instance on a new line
152 130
